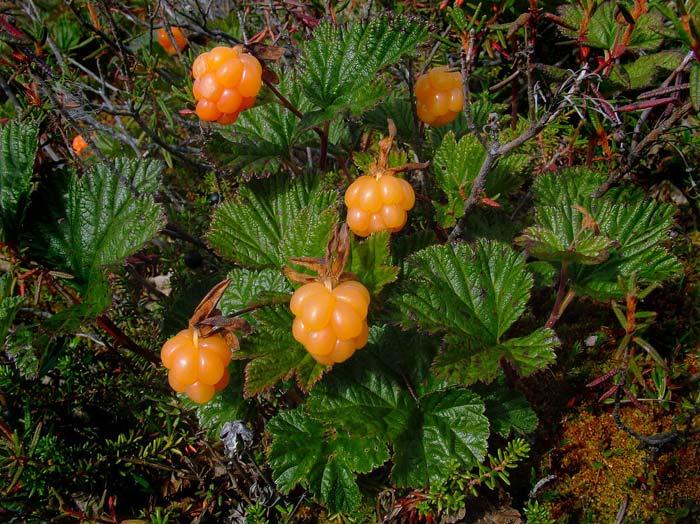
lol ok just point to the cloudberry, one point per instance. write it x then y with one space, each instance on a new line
439 96
197 366
227 80
331 323
167 44
378 203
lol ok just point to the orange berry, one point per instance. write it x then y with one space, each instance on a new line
219 55
229 101
183 369
301 294
182 339
346 322
358 221
251 78
391 190
227 118
394 217
355 294
209 88
376 223
299 331
177 386
211 367
199 392
439 96
229 73
207 111
216 344
363 337
79 144
343 350
221 384
199 66
409 196
317 310
321 342
167 44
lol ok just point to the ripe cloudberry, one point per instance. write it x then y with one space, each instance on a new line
227 80
167 44
197 366
378 203
331 323
79 144
439 96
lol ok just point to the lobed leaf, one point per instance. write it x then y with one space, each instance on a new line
303 452
274 219
339 64
429 424
104 219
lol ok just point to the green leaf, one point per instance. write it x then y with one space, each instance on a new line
273 219
506 408
631 236
644 71
604 29
249 287
400 111
453 429
18 146
104 219
265 135
275 355
303 452
428 424
560 235
226 406
339 64
456 165
369 262
473 295
463 290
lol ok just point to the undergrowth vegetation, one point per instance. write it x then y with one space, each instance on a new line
418 261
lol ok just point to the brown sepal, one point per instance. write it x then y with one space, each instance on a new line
228 323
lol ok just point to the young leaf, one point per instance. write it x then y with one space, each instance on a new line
18 146
340 63
473 295
369 262
429 424
104 220
275 355
274 219
302 451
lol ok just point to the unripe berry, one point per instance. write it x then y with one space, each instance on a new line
439 96
227 80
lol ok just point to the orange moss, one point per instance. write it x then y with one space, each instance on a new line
599 466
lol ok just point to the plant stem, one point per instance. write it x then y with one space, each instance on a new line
558 307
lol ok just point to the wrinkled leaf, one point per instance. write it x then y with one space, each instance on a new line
304 452
18 146
274 219
369 262
104 219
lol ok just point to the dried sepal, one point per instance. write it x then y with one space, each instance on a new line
208 304
330 267
381 166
